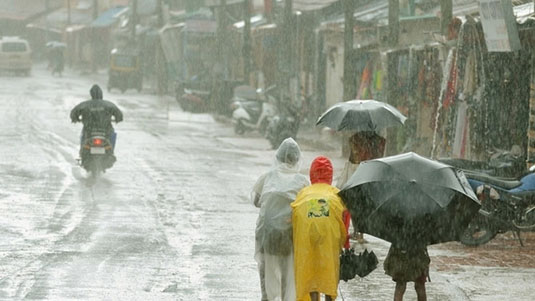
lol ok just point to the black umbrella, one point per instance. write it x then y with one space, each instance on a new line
409 200
361 115
352 264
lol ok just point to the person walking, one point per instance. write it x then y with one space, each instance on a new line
273 193
319 234
364 146
408 266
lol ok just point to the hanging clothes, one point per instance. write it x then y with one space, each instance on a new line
461 131
365 91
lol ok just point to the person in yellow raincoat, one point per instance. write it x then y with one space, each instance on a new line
319 234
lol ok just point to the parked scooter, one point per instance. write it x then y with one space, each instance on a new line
508 204
252 109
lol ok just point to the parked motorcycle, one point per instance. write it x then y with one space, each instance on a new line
508 204
97 153
283 125
252 109
193 95
502 163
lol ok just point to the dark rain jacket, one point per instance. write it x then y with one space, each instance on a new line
96 114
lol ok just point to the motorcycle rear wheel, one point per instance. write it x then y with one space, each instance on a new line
276 139
478 232
239 128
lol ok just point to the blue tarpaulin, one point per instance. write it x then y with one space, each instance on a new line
108 17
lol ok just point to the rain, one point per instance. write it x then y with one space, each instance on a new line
267 150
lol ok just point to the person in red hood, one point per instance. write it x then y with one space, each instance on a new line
319 233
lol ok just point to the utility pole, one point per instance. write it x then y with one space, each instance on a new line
159 10
287 40
268 10
221 18
349 76
94 38
221 67
47 8
446 12
349 82
393 22
69 12
133 20
95 9
247 41
161 71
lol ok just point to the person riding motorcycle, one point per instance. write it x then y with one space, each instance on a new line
97 113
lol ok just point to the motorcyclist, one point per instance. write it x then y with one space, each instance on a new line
97 113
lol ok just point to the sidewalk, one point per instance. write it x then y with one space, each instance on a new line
499 270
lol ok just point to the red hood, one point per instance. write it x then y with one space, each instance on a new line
321 171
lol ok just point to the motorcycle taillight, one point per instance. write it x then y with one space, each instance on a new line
97 141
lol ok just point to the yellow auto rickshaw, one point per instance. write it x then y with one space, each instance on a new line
125 70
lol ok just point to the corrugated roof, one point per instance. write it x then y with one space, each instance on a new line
58 20
309 5
524 12
25 9
108 17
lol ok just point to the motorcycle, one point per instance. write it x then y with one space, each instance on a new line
252 109
502 163
194 95
97 152
283 125
507 204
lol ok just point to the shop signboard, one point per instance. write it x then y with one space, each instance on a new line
499 25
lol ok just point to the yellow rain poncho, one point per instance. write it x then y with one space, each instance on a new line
319 234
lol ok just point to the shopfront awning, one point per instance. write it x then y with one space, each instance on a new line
109 17
310 5
26 9
59 20
524 12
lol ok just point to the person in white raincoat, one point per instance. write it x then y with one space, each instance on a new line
273 193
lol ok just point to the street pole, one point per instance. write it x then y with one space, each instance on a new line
349 82
94 38
393 22
95 9
133 20
446 12
47 7
69 12
348 77
159 9
161 69
288 42
247 41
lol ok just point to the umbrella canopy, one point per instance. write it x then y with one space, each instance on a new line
410 200
361 115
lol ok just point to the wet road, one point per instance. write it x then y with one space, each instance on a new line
170 221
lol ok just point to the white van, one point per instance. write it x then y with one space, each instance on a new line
15 55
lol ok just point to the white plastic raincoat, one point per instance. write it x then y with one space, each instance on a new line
273 193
